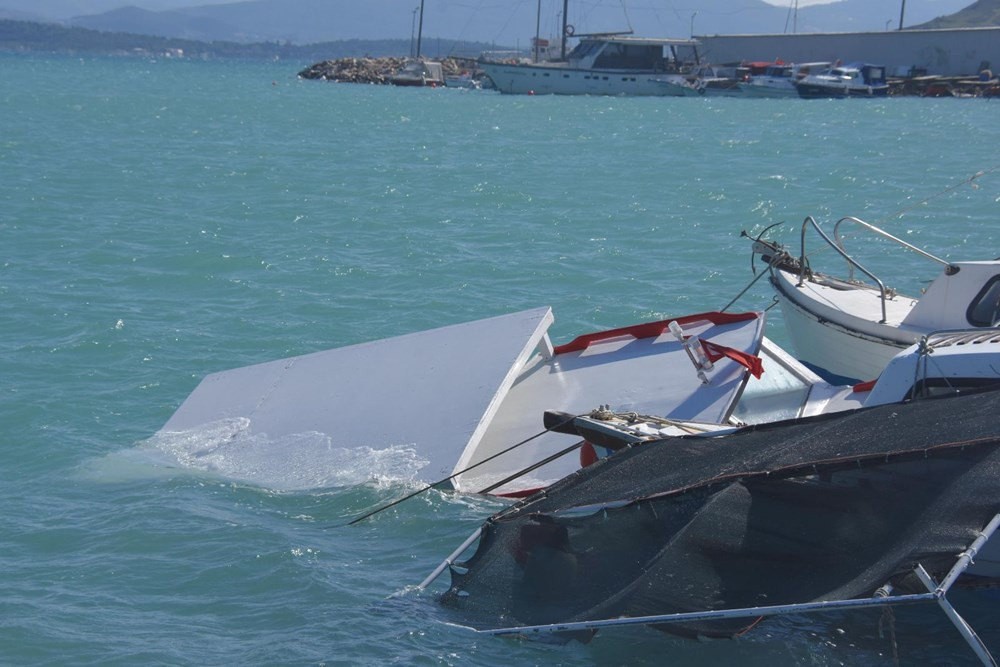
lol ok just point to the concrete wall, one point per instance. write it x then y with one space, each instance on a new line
944 52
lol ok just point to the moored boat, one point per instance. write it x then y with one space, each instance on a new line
464 80
602 65
850 328
860 80
779 79
419 73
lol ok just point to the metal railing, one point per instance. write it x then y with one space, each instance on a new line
837 244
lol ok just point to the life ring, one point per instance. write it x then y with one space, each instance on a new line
588 455
570 30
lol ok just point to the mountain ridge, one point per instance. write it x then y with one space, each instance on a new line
980 13
513 24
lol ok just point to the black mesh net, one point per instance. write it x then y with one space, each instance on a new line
815 509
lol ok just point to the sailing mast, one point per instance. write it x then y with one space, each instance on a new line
420 29
564 35
538 27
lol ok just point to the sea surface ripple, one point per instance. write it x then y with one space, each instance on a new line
161 220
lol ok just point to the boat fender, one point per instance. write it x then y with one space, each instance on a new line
588 455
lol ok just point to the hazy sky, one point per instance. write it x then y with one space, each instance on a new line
802 3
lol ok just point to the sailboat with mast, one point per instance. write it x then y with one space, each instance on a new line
601 64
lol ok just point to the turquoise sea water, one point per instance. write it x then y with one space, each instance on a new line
161 220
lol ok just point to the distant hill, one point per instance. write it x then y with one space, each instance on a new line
62 10
512 23
302 22
26 36
977 15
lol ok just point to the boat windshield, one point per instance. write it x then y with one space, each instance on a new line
779 72
985 308
584 49
617 55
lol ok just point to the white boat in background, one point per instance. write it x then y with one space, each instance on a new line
464 80
674 85
851 328
720 81
462 396
602 65
419 73
860 80
778 80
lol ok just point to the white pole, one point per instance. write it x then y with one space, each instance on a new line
450 559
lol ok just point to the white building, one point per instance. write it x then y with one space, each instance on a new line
951 52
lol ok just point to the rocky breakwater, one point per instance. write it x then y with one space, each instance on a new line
370 70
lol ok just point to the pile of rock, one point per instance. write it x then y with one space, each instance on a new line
369 70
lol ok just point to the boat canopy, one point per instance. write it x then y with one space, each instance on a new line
632 53
829 508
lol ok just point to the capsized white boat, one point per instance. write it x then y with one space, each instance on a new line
851 328
460 395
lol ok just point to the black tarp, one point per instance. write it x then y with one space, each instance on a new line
821 508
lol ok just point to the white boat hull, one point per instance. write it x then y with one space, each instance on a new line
769 91
543 80
840 330
837 350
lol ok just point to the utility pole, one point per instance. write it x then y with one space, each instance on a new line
901 10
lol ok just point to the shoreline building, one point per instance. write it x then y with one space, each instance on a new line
944 52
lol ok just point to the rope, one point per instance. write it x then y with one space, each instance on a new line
460 472
604 414
775 258
970 179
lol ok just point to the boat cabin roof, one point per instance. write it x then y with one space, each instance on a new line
641 41
965 292
632 53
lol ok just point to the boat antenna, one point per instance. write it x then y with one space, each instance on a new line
552 427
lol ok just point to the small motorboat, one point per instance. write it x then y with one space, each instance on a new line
859 80
847 327
419 73
463 80
779 79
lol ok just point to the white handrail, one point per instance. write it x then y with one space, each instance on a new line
885 234
843 253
